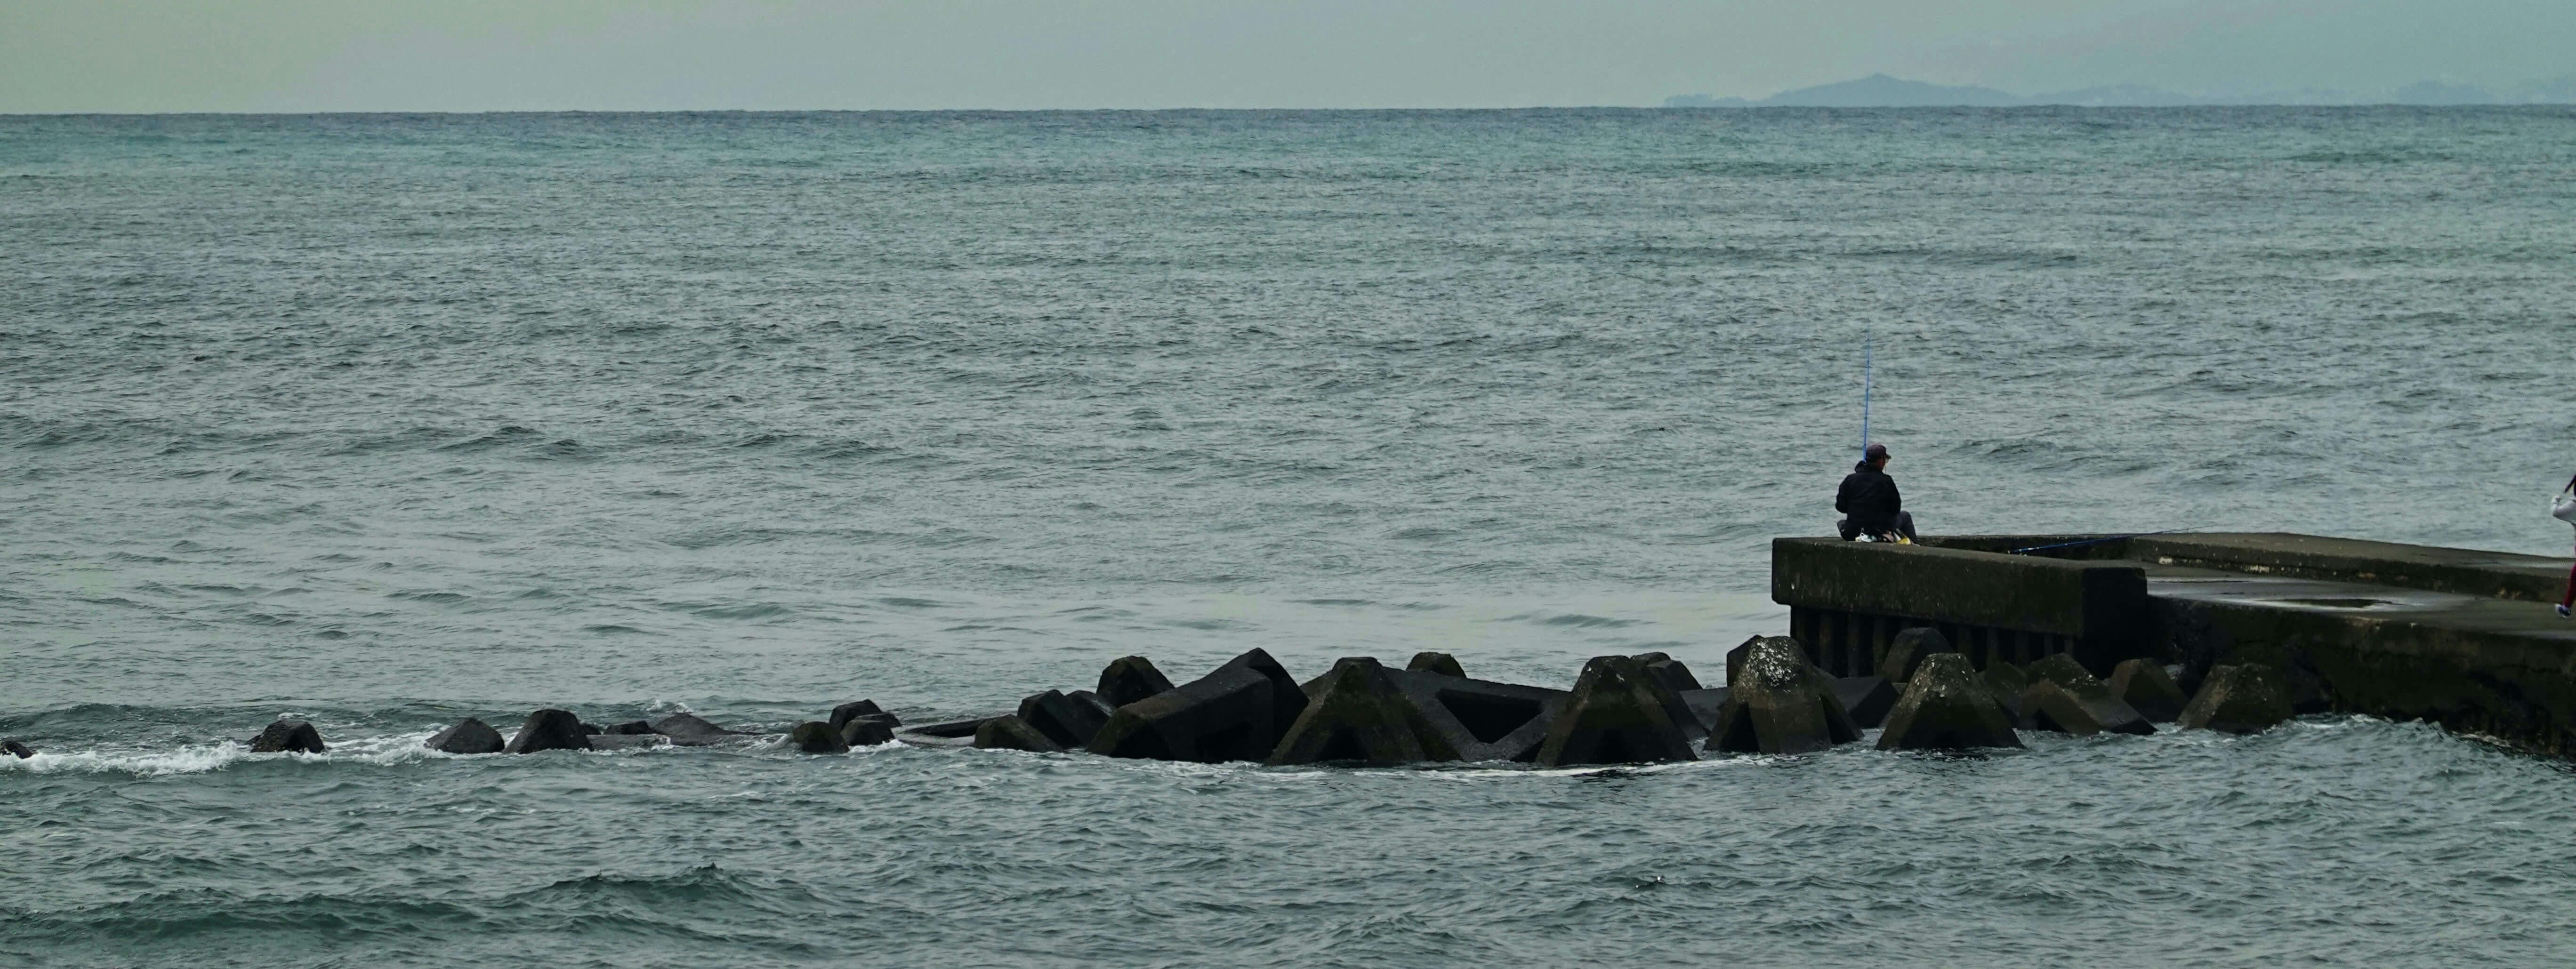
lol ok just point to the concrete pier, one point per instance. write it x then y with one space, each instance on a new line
2463 638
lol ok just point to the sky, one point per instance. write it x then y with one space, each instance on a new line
488 55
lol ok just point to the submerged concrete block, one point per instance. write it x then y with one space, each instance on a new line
1235 713
868 731
2239 699
1868 699
627 741
1705 706
287 736
2006 681
816 737
2049 705
2144 686
549 729
1947 707
632 728
1128 679
1441 663
18 750
467 736
951 733
1068 722
1361 715
2063 697
691 730
1906 651
843 714
1784 705
1010 732
1618 714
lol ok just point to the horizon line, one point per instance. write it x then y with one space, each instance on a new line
1656 108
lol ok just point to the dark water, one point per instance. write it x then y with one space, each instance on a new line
388 421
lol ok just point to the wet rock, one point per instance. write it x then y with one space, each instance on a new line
2006 681
843 714
18 750
1128 679
2049 705
1867 698
1907 650
1618 714
690 730
1009 732
1947 706
1069 723
1361 715
1784 705
816 737
1668 671
2145 686
1235 713
2249 698
631 728
868 731
1441 663
287 736
2065 698
467 736
549 729
627 741
590 729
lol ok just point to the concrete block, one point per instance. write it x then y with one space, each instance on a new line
467 736
1947 706
1128 679
1441 663
1906 651
549 729
1784 705
1617 714
1014 733
2144 686
2239 699
1868 699
1361 716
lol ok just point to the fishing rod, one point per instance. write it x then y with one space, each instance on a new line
2106 538
1864 395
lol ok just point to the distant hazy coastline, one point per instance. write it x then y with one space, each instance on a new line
1882 91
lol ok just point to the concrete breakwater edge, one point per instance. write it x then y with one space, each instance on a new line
1954 644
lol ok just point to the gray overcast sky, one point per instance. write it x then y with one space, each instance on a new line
474 55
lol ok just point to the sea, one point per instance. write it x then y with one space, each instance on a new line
386 421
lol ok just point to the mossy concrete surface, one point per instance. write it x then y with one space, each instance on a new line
2459 637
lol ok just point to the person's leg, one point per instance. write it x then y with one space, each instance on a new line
2570 598
1905 525
1847 531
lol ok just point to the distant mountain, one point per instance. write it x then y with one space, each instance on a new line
1874 91
1882 91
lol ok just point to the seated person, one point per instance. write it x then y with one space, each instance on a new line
1869 500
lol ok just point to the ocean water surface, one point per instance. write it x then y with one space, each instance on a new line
387 421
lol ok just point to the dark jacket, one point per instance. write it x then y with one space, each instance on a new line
1869 498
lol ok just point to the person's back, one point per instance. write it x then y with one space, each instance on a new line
1869 499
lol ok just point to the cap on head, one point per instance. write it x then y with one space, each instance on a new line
1875 452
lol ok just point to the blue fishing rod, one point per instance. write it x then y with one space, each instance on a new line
1865 340
2106 538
